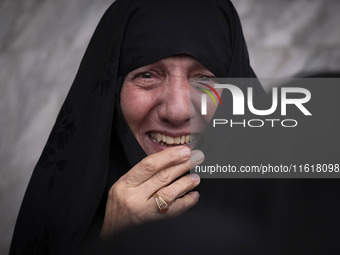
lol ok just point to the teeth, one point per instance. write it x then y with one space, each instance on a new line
160 138
169 140
177 140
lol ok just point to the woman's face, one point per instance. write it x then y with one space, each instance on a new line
155 100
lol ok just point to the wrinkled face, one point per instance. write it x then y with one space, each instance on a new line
155 100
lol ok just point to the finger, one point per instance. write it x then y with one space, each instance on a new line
177 207
196 158
154 163
164 177
181 205
179 188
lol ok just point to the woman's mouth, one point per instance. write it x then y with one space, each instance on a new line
170 140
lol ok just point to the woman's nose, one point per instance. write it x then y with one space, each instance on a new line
175 107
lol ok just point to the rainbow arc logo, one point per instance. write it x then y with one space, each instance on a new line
204 97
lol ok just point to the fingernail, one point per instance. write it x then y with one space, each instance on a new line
197 157
185 151
195 194
196 177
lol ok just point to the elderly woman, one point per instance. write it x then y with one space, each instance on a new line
130 99
118 154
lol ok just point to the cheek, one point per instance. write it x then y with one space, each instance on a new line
136 105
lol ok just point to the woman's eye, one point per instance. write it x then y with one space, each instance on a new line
145 75
204 77
146 80
207 77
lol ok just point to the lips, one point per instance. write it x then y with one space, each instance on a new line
170 140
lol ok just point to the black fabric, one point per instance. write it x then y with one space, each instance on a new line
207 30
91 145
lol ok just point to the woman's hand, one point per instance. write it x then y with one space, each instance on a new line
130 200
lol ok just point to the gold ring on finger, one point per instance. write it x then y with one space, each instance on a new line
162 205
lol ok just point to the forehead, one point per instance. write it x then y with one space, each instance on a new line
178 61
